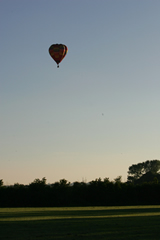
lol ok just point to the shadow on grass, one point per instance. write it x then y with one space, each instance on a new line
141 228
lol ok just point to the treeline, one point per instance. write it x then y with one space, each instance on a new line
95 193
142 188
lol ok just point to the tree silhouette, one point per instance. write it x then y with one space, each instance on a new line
145 171
1 182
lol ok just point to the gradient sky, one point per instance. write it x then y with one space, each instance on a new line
97 114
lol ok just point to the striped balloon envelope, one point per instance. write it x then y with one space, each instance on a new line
58 52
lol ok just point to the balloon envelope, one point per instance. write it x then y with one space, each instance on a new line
58 52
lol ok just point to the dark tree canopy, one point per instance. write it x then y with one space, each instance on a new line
1 182
144 170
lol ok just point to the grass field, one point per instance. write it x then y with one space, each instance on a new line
140 222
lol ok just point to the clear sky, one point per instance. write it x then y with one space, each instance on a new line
97 114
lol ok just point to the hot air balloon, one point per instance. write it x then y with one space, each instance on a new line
58 52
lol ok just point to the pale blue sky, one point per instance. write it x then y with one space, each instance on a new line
97 114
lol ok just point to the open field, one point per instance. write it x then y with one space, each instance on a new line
140 222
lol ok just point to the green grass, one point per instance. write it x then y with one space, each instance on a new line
140 222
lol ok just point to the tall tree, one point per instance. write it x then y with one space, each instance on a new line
1 182
136 171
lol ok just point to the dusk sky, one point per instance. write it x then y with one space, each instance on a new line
95 115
